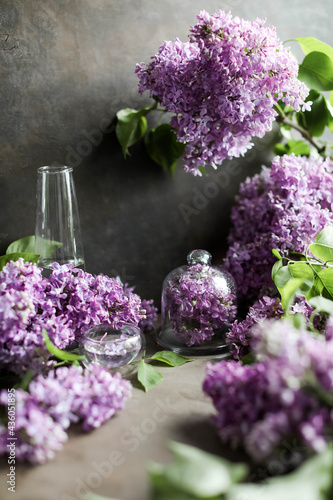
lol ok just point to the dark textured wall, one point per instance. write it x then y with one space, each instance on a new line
66 68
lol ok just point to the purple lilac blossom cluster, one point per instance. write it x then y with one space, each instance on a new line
198 304
25 309
240 335
222 86
284 207
88 300
66 395
66 304
286 392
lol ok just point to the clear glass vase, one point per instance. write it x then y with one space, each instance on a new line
57 232
199 304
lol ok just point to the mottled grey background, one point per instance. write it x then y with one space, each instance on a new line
67 66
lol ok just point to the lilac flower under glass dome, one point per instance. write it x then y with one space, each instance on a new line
198 306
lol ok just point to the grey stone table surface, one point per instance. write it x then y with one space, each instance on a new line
111 461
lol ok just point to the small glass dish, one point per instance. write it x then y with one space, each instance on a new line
117 350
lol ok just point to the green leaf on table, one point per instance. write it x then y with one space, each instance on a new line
326 277
148 376
170 358
313 480
59 353
321 304
162 489
26 244
194 474
316 71
27 257
311 44
131 126
163 148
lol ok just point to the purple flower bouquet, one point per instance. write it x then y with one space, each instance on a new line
286 393
222 86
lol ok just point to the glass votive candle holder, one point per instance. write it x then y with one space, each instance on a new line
117 350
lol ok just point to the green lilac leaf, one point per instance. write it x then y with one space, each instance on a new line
26 244
276 254
316 71
329 108
329 114
326 277
170 358
195 473
59 353
282 276
325 237
276 267
311 44
248 359
280 149
303 271
313 480
321 251
148 376
298 148
162 489
318 117
316 289
28 257
321 304
163 148
330 100
131 126
289 291
48 248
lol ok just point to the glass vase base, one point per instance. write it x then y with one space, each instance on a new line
167 339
